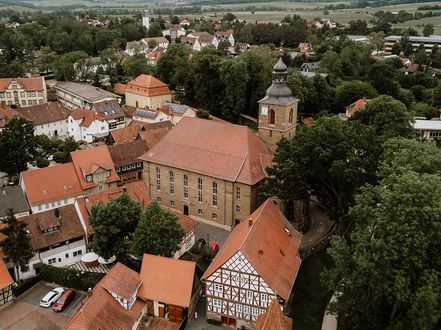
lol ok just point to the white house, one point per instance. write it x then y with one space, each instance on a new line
191 42
258 263
23 91
174 33
57 238
149 116
205 39
428 129
160 41
48 119
227 35
86 126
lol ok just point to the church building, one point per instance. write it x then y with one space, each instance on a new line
210 169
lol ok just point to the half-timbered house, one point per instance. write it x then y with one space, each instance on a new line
6 283
258 263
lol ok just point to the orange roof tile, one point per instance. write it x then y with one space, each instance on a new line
87 116
5 277
167 280
101 311
357 105
29 84
147 85
125 134
273 319
88 160
270 244
7 113
51 184
120 89
211 148
185 221
45 113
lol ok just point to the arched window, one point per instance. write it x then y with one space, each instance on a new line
272 117
290 116
199 190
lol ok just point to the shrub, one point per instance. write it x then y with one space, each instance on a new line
42 162
214 322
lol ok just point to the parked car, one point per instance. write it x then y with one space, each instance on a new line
64 300
51 297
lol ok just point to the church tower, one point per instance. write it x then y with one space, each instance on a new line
277 110
146 19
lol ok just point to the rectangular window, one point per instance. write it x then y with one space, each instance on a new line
159 199
214 194
67 255
255 311
89 178
238 308
185 186
39 207
199 190
237 193
172 183
246 311
52 261
237 208
219 288
249 294
40 101
217 303
8 94
23 102
77 253
22 94
172 203
263 297
158 178
214 216
200 211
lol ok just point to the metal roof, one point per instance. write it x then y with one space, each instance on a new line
434 125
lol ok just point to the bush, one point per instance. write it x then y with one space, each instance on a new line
42 162
69 277
61 157
214 322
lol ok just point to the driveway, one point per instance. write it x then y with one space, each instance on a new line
26 313
200 323
215 234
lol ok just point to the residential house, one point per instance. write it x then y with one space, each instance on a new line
23 91
147 91
273 319
189 225
227 35
304 48
329 22
86 126
48 119
112 304
193 43
205 39
169 287
310 67
123 135
79 95
57 238
184 22
353 108
411 68
153 133
177 111
111 112
50 187
153 56
7 114
136 47
174 33
125 157
200 169
259 262
357 38
160 41
149 116
95 169
314 23
6 283
137 191
12 197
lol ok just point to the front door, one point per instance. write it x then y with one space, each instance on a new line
185 209
161 309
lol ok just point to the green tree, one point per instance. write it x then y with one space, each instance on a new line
387 271
351 91
377 40
172 66
135 65
64 66
42 162
154 30
428 30
158 232
113 224
16 246
17 146
396 49
382 75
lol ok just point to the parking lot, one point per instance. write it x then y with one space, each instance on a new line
26 312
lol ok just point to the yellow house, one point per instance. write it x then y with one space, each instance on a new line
146 91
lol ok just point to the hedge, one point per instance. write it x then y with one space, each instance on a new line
68 277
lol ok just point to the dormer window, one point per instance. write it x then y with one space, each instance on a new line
89 178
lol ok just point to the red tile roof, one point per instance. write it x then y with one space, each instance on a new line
123 281
270 244
147 85
273 319
125 134
88 160
87 116
128 153
7 113
29 84
357 105
45 113
51 184
101 311
5 277
211 148
120 89
167 280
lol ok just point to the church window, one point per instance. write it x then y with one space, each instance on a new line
199 190
158 178
214 194
172 183
272 117
237 192
185 186
290 116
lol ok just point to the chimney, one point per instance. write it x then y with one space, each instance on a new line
250 222
124 189
89 292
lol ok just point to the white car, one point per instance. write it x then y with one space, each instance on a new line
51 297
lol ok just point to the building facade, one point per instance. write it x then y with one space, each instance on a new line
147 92
6 283
427 42
23 91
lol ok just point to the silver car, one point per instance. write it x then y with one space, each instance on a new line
51 297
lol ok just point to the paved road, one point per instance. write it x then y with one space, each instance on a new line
216 234
201 323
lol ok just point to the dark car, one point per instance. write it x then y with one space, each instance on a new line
64 300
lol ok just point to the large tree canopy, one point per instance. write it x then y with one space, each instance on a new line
387 274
